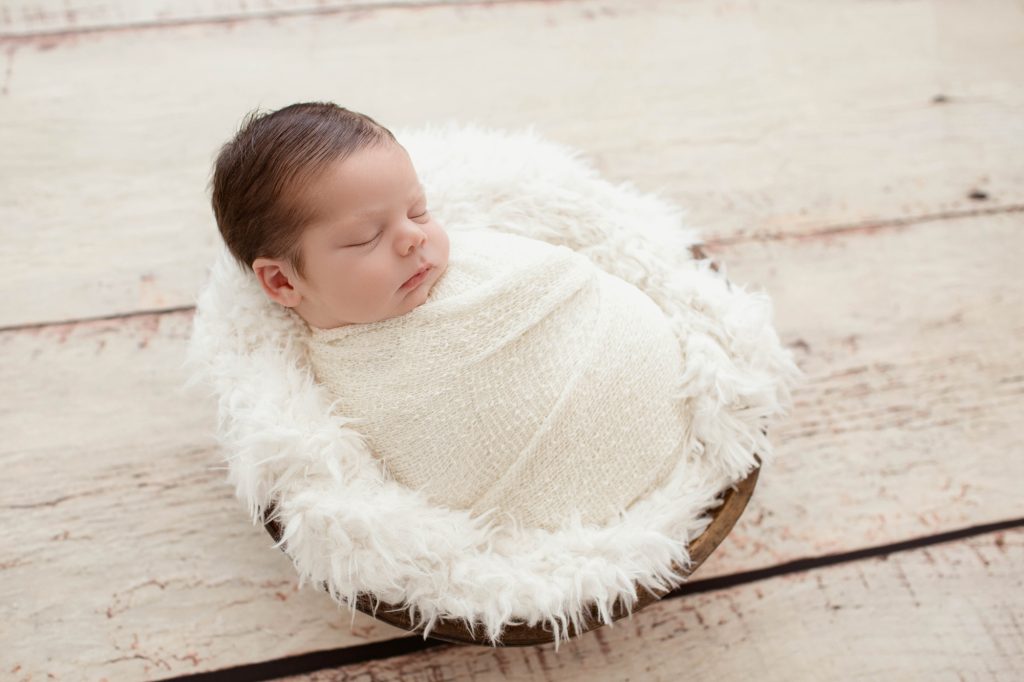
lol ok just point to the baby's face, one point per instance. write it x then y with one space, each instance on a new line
371 232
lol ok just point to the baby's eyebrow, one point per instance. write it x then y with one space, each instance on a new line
375 213
418 192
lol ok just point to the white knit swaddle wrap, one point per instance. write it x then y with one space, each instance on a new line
530 380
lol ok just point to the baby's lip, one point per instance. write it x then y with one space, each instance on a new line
422 269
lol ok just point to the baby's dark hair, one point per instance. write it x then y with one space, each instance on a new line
258 212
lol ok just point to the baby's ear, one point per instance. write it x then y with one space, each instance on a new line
276 278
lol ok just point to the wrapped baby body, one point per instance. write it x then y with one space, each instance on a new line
530 382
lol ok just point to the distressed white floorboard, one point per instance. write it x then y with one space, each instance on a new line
908 337
759 119
128 557
860 161
32 17
949 612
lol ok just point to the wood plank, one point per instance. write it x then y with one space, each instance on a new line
30 17
947 612
907 335
778 122
128 558
131 559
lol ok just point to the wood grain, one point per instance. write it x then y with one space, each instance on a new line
938 613
34 17
126 555
906 335
859 161
787 121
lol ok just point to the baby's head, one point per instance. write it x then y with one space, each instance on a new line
325 207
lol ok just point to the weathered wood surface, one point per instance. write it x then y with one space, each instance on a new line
33 17
804 137
130 558
917 615
908 336
761 121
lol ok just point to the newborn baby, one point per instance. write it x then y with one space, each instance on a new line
493 372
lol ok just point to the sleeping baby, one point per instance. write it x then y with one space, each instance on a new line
493 372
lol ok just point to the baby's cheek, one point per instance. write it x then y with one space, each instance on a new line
445 247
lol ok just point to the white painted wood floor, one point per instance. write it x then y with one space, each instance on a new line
863 162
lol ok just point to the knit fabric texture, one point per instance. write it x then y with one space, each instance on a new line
530 384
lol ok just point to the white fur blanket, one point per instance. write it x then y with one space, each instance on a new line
530 382
348 526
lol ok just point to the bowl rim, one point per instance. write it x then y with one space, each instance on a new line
457 631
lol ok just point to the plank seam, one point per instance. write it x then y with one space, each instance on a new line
867 225
33 326
29 36
812 563
335 658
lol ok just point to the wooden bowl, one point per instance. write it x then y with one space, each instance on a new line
457 631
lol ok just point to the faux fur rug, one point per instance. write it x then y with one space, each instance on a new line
352 527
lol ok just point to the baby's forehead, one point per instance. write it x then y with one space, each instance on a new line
310 200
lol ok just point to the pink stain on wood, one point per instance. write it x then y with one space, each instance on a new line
5 89
190 656
149 329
